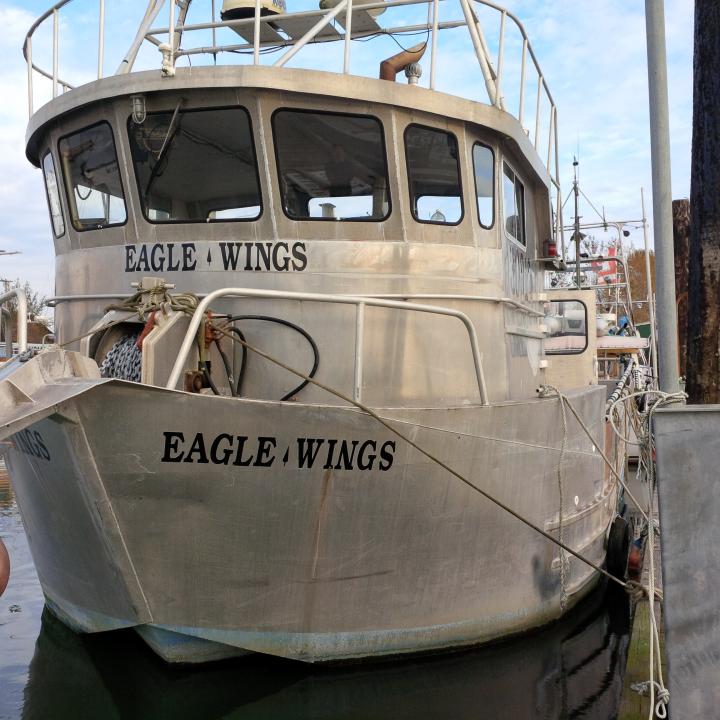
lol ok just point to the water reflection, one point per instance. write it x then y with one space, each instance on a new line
572 670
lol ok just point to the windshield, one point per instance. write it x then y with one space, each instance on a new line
196 165
331 166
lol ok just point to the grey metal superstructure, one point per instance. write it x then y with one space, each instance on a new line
393 238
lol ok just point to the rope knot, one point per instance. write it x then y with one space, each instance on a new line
650 687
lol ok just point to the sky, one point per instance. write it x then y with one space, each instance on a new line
592 53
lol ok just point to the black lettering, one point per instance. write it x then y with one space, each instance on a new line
197 448
172 439
331 449
346 459
20 440
386 456
248 256
361 462
286 260
157 264
188 257
170 266
299 256
230 254
263 253
226 453
129 258
265 444
34 450
308 449
238 457
43 450
142 261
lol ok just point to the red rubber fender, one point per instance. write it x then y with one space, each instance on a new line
4 567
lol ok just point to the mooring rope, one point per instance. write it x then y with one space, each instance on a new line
433 458
644 439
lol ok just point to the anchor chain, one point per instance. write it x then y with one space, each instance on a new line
124 361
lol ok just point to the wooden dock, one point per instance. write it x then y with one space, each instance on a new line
635 706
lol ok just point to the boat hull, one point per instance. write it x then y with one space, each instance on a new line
222 526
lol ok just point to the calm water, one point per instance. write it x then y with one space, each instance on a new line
571 670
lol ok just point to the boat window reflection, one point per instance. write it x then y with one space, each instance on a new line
434 175
53 195
92 178
196 166
484 167
331 166
566 323
514 205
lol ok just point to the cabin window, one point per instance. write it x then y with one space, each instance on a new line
434 175
566 323
92 178
331 166
484 166
196 166
514 205
53 195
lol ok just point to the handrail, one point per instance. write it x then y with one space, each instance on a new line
344 14
478 298
359 301
56 300
18 293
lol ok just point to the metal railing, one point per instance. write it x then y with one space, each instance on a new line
360 304
19 295
349 20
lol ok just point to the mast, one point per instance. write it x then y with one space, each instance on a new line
576 234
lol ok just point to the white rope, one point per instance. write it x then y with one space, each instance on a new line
543 392
655 686
646 688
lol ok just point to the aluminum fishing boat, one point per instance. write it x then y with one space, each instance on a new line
291 291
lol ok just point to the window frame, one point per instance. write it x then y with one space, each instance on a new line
516 178
72 206
336 113
587 330
59 197
435 223
494 189
207 221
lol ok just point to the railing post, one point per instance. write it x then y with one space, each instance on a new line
559 211
521 109
30 75
359 349
433 49
56 50
501 59
101 40
537 109
256 34
214 31
348 36
171 34
550 137
18 293
479 51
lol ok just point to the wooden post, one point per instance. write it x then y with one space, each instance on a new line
703 332
681 241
